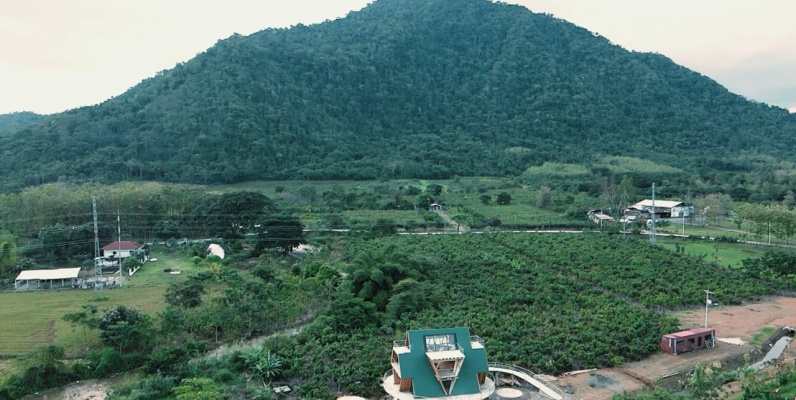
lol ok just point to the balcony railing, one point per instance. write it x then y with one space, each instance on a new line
477 339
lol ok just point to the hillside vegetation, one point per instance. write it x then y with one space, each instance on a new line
403 88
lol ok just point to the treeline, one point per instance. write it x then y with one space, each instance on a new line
15 121
53 224
402 89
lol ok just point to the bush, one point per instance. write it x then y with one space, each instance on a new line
106 362
166 360
155 387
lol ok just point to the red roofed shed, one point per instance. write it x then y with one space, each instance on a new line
693 339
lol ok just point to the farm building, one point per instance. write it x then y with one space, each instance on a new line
598 217
47 278
434 207
438 363
663 208
679 342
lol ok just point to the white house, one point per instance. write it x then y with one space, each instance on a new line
122 249
112 252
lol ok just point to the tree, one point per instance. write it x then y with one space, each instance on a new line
383 227
283 232
789 200
230 215
714 207
186 294
486 199
373 274
86 318
705 382
544 197
8 253
434 189
409 295
125 328
348 313
503 198
131 263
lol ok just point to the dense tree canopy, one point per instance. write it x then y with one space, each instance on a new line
403 88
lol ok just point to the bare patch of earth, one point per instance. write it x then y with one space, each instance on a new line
729 321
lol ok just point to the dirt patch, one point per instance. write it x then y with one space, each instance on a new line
729 321
509 393
603 382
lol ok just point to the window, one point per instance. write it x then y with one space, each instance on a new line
440 342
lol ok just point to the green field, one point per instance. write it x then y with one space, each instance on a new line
726 254
32 319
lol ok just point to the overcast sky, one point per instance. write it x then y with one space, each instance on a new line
57 55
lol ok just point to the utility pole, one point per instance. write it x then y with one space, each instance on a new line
707 303
683 215
119 242
652 227
99 290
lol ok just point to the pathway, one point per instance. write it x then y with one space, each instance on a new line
528 376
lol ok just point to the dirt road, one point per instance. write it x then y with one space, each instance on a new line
449 222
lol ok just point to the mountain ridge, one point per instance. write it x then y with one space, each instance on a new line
401 89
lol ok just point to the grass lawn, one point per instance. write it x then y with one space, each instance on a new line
32 319
761 335
726 254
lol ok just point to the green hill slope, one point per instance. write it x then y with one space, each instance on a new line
14 121
403 88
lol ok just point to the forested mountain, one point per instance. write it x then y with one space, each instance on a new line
403 88
14 121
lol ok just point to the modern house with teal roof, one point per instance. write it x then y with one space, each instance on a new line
439 363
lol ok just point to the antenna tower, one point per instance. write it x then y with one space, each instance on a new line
99 289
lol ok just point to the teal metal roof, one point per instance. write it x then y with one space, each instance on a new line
415 364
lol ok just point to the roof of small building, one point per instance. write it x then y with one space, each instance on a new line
48 274
123 245
689 333
658 203
416 366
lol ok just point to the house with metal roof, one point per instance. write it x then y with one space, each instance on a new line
439 363
663 208
47 278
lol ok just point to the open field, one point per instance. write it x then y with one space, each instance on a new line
726 254
32 319
744 321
